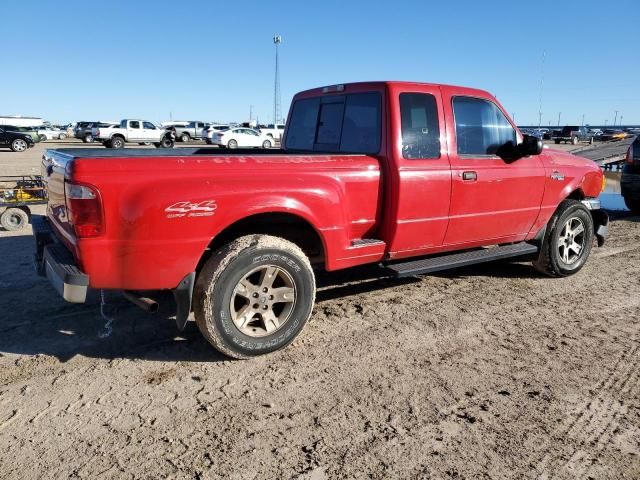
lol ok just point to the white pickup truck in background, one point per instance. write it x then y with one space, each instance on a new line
134 131
273 131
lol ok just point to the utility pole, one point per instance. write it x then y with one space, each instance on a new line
615 119
620 120
277 40
250 113
582 120
559 115
605 122
544 54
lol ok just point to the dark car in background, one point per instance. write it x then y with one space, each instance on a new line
630 180
16 141
572 134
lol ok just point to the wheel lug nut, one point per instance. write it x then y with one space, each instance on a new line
255 305
264 307
270 297
265 289
255 295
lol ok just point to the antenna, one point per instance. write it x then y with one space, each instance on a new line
277 40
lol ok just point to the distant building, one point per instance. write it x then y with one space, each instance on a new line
18 121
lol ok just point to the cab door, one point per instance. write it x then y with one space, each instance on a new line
492 200
419 180
150 132
134 131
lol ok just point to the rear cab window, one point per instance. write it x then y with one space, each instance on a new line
349 123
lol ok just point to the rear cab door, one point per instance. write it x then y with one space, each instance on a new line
418 185
134 131
492 200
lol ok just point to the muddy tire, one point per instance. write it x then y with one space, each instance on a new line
567 241
13 219
254 296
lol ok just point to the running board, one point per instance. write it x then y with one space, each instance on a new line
456 260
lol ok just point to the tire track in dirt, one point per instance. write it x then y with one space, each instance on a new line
597 421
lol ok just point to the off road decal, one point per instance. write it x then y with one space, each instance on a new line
205 208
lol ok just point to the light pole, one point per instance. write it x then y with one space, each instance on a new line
277 40
615 119
582 120
559 115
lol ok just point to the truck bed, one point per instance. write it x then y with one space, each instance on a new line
168 152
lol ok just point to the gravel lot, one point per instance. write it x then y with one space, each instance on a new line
484 372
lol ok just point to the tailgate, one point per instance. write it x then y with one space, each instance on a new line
55 166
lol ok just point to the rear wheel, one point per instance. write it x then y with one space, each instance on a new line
14 219
574 140
19 145
232 144
185 137
117 142
254 296
567 241
42 137
633 205
62 136
89 139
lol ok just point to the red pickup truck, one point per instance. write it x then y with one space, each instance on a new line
414 177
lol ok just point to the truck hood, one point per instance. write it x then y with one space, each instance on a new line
557 158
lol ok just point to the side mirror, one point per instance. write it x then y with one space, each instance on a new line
530 146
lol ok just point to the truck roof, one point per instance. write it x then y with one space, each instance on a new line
377 84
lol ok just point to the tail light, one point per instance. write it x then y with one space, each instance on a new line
629 158
97 132
85 210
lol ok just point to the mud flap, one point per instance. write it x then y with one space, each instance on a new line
600 225
183 295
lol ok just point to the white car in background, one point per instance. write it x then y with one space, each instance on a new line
50 133
241 137
209 131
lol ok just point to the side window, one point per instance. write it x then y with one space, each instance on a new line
419 123
149 125
361 125
481 128
330 124
134 124
302 127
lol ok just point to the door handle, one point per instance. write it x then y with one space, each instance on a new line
469 176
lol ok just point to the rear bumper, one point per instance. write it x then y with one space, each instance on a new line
55 262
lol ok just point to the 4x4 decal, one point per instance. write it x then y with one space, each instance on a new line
205 208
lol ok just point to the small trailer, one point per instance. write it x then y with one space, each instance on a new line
17 194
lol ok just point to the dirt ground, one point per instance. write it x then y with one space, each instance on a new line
484 372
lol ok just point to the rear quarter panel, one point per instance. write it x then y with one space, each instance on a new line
161 213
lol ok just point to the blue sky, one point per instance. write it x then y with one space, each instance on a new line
68 60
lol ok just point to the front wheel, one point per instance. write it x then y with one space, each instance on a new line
254 296
232 144
266 144
42 138
567 241
166 142
62 136
574 140
19 145
89 139
185 137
